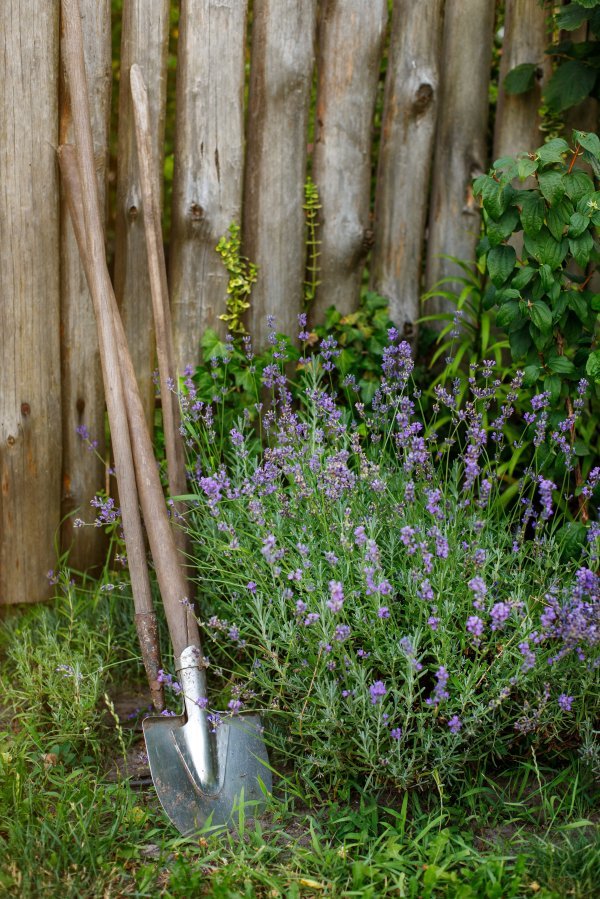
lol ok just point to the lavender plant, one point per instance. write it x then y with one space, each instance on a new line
364 588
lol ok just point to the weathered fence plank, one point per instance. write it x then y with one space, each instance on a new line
517 125
460 142
209 164
405 156
145 40
30 403
283 51
350 45
82 389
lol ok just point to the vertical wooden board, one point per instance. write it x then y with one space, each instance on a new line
82 390
460 141
517 125
30 431
350 44
209 165
405 156
144 40
283 38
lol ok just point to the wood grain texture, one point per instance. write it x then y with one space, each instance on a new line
82 390
30 432
460 141
405 156
350 42
145 40
283 39
209 166
517 125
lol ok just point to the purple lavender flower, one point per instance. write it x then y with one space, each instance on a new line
433 622
336 590
377 690
425 591
311 618
360 537
528 656
565 702
475 625
396 733
341 633
251 586
235 706
546 487
331 558
383 612
454 724
439 691
477 585
499 615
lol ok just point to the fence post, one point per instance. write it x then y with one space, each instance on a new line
209 164
517 125
82 390
144 40
350 44
460 141
405 156
30 414
283 38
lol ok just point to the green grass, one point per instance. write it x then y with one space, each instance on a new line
66 831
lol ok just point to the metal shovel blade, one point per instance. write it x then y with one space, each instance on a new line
201 777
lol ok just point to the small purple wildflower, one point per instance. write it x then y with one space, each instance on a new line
396 733
439 691
311 618
475 625
336 591
383 612
377 690
499 614
565 702
454 724
341 633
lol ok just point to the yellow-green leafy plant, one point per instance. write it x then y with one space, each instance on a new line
242 276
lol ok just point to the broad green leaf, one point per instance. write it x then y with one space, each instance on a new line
570 84
507 314
542 340
595 302
559 307
545 249
530 374
559 217
492 193
520 342
553 385
523 277
578 304
551 186
521 78
507 167
577 184
560 365
526 167
500 262
533 210
581 248
505 294
500 230
541 316
572 16
589 141
571 538
592 366
552 151
578 224
546 277
588 4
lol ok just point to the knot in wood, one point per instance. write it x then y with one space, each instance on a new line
10 440
423 98
132 213
368 239
196 212
25 409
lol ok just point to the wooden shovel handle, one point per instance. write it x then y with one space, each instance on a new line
180 618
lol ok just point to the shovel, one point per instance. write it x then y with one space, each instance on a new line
202 774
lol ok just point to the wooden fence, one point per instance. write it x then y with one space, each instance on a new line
410 78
